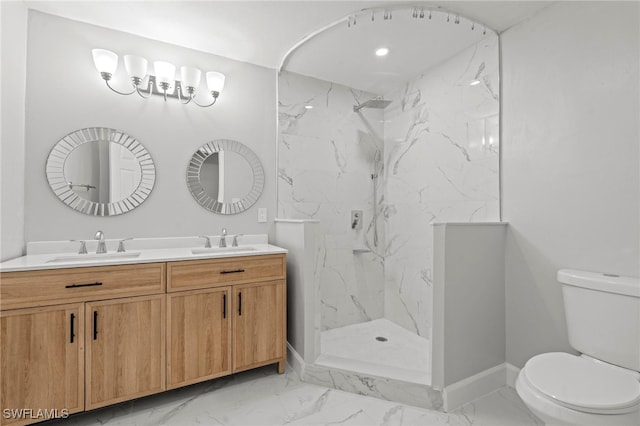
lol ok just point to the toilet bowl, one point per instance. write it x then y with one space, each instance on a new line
564 389
602 386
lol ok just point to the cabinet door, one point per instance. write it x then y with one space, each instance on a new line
198 336
259 329
125 349
42 363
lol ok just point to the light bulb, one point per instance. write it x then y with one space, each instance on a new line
136 66
190 77
165 72
105 61
215 81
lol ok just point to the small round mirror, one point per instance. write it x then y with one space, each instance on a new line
225 176
100 171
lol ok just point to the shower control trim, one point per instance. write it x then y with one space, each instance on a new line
356 219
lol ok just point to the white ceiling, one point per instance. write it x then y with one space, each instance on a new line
345 53
262 32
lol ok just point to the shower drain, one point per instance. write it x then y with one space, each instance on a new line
381 339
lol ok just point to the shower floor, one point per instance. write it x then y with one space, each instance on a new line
403 356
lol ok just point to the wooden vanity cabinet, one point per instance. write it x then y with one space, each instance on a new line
54 361
42 362
259 329
253 328
198 336
125 349
57 286
76 339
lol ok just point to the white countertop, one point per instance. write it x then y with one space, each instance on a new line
60 254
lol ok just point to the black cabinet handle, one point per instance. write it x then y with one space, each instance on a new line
224 305
240 303
234 271
82 285
72 332
95 325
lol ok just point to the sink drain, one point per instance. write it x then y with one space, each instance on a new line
381 339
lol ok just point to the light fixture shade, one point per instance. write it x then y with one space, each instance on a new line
135 66
165 72
105 60
215 81
190 77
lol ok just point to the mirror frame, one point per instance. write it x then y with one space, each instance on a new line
61 188
210 203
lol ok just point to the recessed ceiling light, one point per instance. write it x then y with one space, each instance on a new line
382 51
474 83
308 106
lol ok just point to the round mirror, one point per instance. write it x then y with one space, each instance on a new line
100 171
225 176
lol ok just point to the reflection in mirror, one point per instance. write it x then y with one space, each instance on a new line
100 171
225 176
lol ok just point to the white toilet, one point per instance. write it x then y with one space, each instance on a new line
602 385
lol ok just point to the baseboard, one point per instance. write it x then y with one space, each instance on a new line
295 360
474 387
512 375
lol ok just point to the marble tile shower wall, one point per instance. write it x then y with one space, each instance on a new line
326 156
441 164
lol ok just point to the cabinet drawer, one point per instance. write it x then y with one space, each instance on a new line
193 274
52 286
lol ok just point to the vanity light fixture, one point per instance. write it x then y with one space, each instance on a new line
163 82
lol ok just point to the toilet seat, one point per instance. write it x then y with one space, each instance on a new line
581 384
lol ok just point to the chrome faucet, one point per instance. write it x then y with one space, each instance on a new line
235 240
102 246
223 238
207 241
83 246
121 247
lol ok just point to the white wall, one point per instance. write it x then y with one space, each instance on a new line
571 184
13 25
65 93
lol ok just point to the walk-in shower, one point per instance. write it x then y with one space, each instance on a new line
408 139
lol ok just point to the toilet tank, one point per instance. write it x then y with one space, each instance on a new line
603 315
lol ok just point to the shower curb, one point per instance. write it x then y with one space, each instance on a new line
415 394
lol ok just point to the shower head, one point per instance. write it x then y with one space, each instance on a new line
376 103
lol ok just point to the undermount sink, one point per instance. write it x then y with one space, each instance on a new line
102 256
220 250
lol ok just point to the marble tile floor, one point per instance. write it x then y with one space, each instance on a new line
263 397
355 348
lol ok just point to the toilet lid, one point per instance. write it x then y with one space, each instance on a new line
582 384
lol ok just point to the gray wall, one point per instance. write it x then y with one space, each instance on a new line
13 25
571 183
302 238
65 93
469 300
